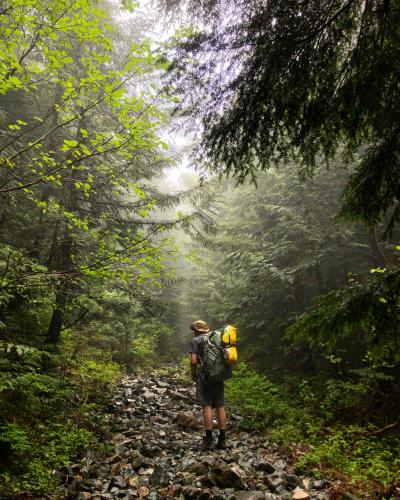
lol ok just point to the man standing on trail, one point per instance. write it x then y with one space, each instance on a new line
208 394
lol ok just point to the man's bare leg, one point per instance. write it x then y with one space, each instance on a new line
221 417
208 417
208 443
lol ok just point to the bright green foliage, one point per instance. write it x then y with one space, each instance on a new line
80 249
303 420
262 402
38 453
366 460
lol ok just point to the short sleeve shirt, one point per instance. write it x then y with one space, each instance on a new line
195 344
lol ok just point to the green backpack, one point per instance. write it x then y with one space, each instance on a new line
214 365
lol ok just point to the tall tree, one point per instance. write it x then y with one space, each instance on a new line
276 80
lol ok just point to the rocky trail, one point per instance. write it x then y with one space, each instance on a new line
155 440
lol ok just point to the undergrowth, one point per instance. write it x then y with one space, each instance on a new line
50 411
329 446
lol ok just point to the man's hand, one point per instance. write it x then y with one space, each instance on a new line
193 365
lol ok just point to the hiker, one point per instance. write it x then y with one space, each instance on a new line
208 394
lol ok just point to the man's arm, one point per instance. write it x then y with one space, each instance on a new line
193 364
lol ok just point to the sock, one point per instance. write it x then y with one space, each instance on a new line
209 435
222 433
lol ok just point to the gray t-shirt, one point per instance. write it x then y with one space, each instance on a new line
195 343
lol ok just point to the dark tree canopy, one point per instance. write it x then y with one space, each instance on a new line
302 80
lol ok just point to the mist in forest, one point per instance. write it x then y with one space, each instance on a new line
232 161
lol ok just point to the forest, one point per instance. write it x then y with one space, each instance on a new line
234 161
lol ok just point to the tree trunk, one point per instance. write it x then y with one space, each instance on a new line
377 255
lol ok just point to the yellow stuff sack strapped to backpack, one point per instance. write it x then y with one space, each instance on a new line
228 341
230 355
229 335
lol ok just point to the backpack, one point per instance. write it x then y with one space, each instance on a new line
219 354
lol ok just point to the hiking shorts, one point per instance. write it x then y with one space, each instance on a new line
210 394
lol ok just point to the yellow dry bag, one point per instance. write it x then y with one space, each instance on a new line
228 341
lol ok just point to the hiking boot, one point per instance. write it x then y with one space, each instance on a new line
207 444
221 443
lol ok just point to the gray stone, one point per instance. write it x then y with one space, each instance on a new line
249 495
150 451
293 481
275 480
226 477
117 482
160 475
162 384
160 390
319 484
265 466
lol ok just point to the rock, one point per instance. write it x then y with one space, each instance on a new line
293 481
162 384
249 495
198 469
148 395
320 484
84 495
133 482
226 477
160 476
265 466
158 419
300 494
137 459
160 390
283 493
150 451
143 492
117 482
189 420
275 480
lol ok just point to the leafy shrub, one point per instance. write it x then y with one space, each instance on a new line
263 402
37 453
98 378
366 459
